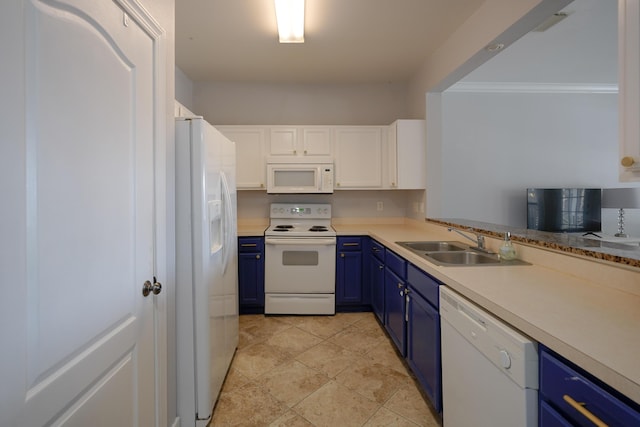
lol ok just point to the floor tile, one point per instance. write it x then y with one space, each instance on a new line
256 359
291 382
304 371
335 405
409 402
291 419
386 418
357 340
247 406
329 358
294 340
372 380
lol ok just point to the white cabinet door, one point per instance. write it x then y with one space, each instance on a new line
78 214
283 141
300 141
407 155
316 141
250 158
629 85
358 162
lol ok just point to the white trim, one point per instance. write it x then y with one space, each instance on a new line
519 87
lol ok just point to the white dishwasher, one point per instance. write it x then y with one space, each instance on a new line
489 370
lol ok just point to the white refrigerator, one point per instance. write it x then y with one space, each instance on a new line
206 266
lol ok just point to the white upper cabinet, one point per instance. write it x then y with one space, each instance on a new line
629 84
250 155
300 141
358 157
407 150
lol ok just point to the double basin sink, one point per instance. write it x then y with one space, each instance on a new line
455 254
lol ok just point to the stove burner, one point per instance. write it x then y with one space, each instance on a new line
284 226
280 229
318 228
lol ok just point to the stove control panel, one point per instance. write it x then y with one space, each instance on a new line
301 210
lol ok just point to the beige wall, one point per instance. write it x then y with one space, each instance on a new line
308 104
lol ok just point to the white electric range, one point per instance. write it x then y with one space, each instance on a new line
300 259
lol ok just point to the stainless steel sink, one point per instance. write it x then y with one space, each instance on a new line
434 246
463 258
449 254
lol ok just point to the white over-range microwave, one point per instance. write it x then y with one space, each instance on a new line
299 175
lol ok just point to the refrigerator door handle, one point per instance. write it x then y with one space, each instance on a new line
228 215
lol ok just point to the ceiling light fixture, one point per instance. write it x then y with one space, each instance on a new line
290 17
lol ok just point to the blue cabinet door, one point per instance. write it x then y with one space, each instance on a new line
394 303
352 291
349 278
251 274
376 278
423 346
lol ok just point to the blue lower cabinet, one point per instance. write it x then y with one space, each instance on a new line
251 275
352 294
423 346
395 305
375 277
423 333
569 396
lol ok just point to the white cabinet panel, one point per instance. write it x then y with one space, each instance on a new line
629 84
300 141
358 160
250 149
407 155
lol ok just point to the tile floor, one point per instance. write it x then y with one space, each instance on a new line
333 371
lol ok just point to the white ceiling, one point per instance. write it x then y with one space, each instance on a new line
346 41
374 41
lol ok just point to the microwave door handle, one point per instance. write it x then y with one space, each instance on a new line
300 242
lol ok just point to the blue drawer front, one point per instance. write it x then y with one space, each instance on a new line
549 417
377 250
557 379
250 244
396 263
349 244
426 285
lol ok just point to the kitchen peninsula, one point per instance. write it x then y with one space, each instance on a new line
577 302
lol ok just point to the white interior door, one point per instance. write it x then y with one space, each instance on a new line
81 192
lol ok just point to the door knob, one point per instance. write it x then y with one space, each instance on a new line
149 287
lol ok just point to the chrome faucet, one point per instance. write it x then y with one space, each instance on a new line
479 240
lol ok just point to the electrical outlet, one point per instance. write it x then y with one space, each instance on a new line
380 206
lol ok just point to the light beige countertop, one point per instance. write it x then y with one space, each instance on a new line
586 310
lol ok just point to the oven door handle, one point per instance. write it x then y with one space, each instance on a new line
305 241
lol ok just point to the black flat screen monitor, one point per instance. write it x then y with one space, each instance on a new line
564 210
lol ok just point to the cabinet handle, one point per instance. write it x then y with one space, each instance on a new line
578 406
337 184
399 285
380 267
258 256
341 255
295 152
305 152
350 244
248 245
